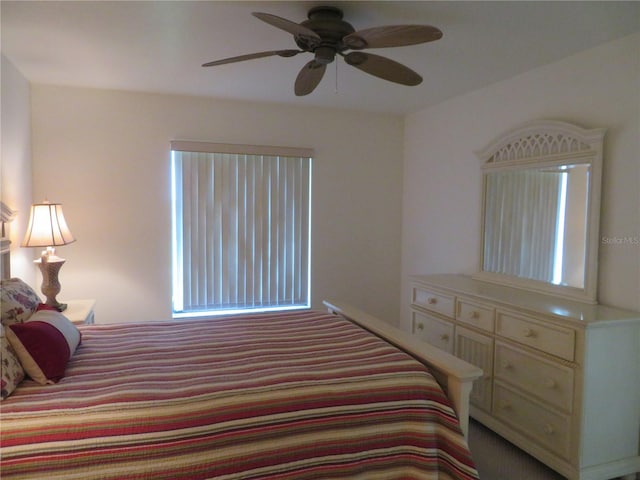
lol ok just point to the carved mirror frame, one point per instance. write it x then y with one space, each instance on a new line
542 144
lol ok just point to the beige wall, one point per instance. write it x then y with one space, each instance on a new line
105 156
15 165
442 180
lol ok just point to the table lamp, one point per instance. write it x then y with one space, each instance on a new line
48 228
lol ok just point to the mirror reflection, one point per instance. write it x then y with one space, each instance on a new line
535 223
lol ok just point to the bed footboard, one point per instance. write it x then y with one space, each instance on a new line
454 375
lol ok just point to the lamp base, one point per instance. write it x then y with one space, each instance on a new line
50 267
60 307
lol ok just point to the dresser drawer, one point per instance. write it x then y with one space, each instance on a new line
545 337
433 331
553 383
550 429
476 314
436 302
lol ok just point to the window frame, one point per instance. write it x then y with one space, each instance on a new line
178 275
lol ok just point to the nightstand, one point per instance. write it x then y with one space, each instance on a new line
80 312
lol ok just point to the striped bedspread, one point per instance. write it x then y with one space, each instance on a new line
299 395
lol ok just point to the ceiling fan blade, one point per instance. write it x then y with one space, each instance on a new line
391 36
384 68
309 77
288 26
251 56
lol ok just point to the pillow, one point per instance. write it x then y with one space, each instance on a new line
44 344
17 301
12 371
44 306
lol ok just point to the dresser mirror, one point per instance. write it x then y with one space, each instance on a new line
540 209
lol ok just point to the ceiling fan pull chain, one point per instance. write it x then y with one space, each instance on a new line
336 90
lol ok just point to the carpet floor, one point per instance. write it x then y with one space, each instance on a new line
498 459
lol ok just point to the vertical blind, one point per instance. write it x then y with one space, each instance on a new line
524 209
241 227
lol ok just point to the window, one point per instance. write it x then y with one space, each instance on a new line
560 229
241 220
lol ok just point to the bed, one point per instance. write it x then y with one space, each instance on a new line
293 395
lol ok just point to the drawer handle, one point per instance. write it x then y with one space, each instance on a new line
432 300
548 429
505 405
529 333
444 337
506 365
420 326
550 383
473 315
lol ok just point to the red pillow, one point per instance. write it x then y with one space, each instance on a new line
44 306
44 344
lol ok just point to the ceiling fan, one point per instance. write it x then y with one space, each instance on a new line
326 35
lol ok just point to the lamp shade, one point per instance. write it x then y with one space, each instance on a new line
47 227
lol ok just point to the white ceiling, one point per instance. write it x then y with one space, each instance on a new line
158 46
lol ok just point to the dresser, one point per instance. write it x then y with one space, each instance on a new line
561 378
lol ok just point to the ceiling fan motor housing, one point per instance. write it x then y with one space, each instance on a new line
328 24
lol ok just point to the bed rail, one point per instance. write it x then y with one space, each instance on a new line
454 375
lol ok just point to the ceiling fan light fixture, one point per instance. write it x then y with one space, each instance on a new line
324 55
